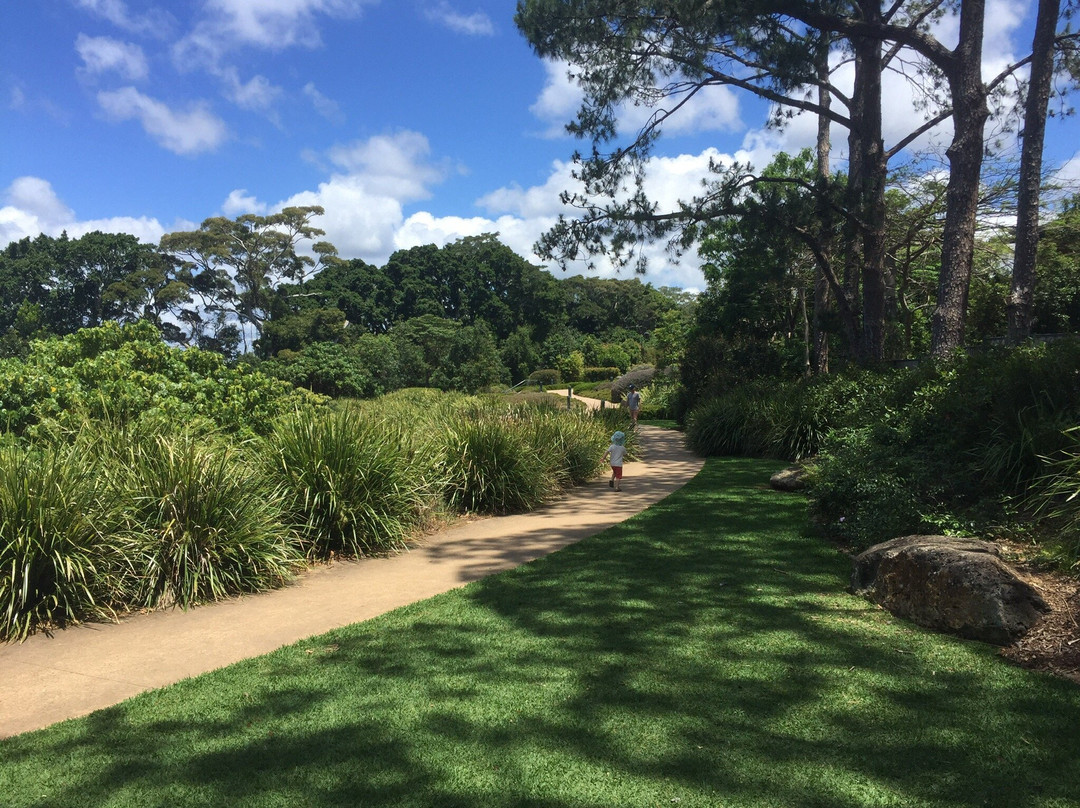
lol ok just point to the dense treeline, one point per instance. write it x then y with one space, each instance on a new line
466 316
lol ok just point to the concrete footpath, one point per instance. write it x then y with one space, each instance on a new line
91 666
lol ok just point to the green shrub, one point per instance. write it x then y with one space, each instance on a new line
1055 499
351 482
492 466
117 373
200 524
572 445
596 374
329 369
863 494
951 443
547 376
571 367
733 424
58 560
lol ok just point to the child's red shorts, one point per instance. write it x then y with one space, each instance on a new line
617 471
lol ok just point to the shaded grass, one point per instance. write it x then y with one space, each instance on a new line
704 653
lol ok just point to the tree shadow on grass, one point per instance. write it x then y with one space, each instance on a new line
704 653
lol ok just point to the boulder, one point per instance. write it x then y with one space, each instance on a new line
957 585
790 479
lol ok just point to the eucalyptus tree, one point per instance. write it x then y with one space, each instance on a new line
234 265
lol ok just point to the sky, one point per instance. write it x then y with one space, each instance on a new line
410 122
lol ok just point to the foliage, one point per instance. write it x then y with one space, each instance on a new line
364 368
572 445
437 352
948 443
199 524
772 418
1055 497
493 465
55 286
572 366
234 266
595 374
59 560
520 354
348 480
119 372
548 376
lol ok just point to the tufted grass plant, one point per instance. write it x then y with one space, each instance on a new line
353 484
493 465
573 444
1055 497
58 562
200 526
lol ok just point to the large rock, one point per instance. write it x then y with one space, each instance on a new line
792 478
956 585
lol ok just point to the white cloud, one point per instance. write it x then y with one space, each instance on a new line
391 165
713 109
102 54
326 107
240 202
270 24
364 196
1067 176
255 95
32 207
476 24
560 99
154 22
186 132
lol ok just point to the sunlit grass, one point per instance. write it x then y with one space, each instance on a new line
704 653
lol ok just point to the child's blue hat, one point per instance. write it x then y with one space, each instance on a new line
618 438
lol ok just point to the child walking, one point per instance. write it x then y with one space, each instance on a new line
615 454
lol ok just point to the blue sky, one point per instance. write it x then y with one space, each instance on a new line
410 121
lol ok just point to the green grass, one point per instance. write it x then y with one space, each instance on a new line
704 653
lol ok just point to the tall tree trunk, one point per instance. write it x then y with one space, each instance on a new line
822 297
962 194
867 188
1027 201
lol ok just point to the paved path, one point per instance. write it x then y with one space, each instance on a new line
88 667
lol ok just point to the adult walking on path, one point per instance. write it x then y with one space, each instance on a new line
91 666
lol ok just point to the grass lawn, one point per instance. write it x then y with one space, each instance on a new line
704 653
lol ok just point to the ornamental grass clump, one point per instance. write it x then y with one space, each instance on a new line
572 444
200 526
1055 498
733 424
493 466
353 484
57 561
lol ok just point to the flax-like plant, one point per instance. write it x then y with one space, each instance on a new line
352 483
492 466
1055 497
57 562
201 526
572 444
